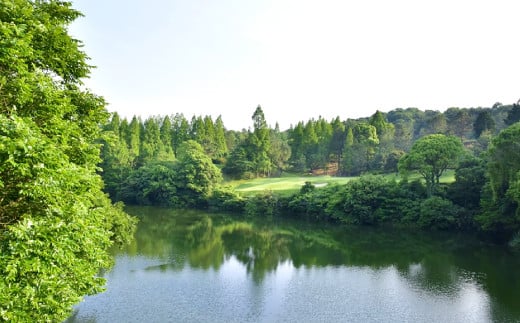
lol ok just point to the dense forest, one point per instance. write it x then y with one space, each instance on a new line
337 147
176 162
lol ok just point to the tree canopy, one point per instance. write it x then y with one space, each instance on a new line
430 156
56 224
501 210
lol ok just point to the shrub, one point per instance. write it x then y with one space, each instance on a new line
263 204
225 198
437 213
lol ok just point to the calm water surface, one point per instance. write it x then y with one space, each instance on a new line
189 266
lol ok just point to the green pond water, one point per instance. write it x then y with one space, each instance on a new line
190 266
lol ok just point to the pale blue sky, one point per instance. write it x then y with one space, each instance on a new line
299 59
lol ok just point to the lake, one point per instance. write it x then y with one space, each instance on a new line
191 266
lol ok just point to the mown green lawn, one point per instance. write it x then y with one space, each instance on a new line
284 185
291 183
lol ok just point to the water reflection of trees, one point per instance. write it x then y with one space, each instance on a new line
435 262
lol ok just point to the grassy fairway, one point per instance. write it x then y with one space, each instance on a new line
284 185
291 183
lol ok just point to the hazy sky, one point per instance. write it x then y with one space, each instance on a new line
299 59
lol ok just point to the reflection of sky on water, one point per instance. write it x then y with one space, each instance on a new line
141 289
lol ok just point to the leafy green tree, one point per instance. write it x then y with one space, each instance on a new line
116 159
458 122
366 141
392 161
279 151
311 203
363 149
378 120
481 144
437 213
403 134
499 113
434 122
409 118
226 199
196 175
431 156
56 224
151 184
385 133
363 198
500 202
469 181
369 200
513 115
263 204
186 182
239 164
483 123
504 163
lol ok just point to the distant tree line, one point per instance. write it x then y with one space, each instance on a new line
345 148
174 162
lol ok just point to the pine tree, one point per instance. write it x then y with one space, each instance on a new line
348 151
133 140
296 142
220 139
337 141
152 147
166 137
260 142
180 131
